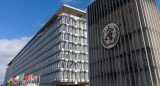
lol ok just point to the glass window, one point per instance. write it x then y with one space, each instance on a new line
66 75
74 66
74 39
62 64
77 31
62 54
62 45
67 55
66 44
81 40
86 66
70 46
67 36
77 56
78 66
77 47
77 39
73 56
70 65
73 75
70 29
81 24
74 30
85 33
67 21
73 47
82 58
64 28
70 38
78 76
82 66
82 75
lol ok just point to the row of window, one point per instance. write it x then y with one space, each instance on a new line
73 30
73 65
73 75
74 56
73 22
72 38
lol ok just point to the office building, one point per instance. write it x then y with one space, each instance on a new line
124 43
58 52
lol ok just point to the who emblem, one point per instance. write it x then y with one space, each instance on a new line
110 36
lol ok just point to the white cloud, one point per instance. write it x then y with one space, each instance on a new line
9 49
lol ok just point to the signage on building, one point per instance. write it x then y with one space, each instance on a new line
110 36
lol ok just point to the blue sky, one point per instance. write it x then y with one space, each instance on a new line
21 19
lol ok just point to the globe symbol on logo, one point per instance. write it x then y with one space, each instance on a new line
110 36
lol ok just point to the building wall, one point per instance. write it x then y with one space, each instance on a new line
134 61
59 54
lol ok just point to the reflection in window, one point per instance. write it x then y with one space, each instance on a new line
77 39
62 64
70 29
67 37
66 44
78 66
86 66
62 44
73 56
73 75
78 76
70 65
85 33
70 46
74 30
67 55
82 75
67 21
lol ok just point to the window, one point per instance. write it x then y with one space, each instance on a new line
73 56
82 75
85 33
70 29
77 31
66 45
81 24
82 66
73 47
77 47
78 76
78 66
62 64
74 30
86 66
67 55
77 57
81 40
82 58
70 46
67 21
66 75
74 39
62 45
62 54
77 39
70 65
67 37
70 38
73 75
73 66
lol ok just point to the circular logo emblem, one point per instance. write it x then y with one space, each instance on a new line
110 36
